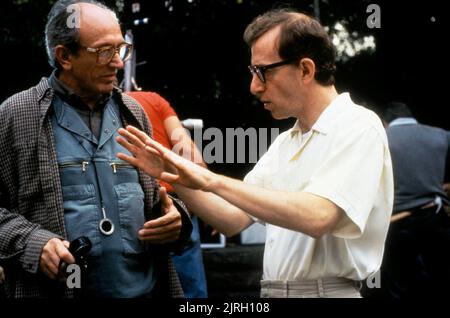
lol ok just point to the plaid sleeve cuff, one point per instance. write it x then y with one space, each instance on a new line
186 229
36 242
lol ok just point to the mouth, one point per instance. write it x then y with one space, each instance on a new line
266 103
110 76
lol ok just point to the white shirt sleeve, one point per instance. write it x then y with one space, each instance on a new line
351 177
258 175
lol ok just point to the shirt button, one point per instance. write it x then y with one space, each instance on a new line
114 122
86 134
106 131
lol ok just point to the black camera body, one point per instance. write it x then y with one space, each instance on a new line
79 248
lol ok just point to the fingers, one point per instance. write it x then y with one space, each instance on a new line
134 144
164 229
166 201
138 134
53 253
148 154
133 137
49 260
63 253
169 156
172 217
130 159
137 140
153 144
152 151
162 237
49 266
66 244
169 177
128 146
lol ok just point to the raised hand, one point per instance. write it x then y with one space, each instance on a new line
162 163
145 159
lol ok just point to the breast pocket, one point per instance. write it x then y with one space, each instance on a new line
81 214
130 198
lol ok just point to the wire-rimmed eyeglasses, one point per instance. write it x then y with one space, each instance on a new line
105 54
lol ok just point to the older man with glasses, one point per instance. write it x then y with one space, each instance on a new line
60 179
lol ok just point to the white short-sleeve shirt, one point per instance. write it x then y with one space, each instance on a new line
344 158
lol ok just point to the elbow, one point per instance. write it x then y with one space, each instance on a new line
318 232
237 228
324 224
231 232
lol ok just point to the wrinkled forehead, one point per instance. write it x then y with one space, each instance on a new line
98 25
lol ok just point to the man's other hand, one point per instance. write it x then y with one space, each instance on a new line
166 228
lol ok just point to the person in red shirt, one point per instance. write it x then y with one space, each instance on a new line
168 131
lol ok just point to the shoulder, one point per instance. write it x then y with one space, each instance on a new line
23 103
359 120
130 101
150 99
147 97
136 111
17 100
434 130
133 106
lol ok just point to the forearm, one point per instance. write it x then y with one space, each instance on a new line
298 211
215 211
22 241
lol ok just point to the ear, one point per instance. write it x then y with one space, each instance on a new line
308 68
64 57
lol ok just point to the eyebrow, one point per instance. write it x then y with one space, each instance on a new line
108 43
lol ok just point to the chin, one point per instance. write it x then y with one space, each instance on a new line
278 116
106 89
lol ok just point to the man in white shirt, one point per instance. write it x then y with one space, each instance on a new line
324 189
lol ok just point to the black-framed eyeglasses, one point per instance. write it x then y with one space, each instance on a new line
260 70
106 54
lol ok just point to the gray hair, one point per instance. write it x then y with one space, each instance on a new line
58 30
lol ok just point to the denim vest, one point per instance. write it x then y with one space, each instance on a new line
96 184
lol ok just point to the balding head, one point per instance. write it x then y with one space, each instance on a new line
95 23
92 12
63 22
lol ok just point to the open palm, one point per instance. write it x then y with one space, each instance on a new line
160 162
150 163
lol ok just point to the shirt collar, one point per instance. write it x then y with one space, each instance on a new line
403 121
68 95
328 115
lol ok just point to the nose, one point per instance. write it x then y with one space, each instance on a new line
256 85
116 61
